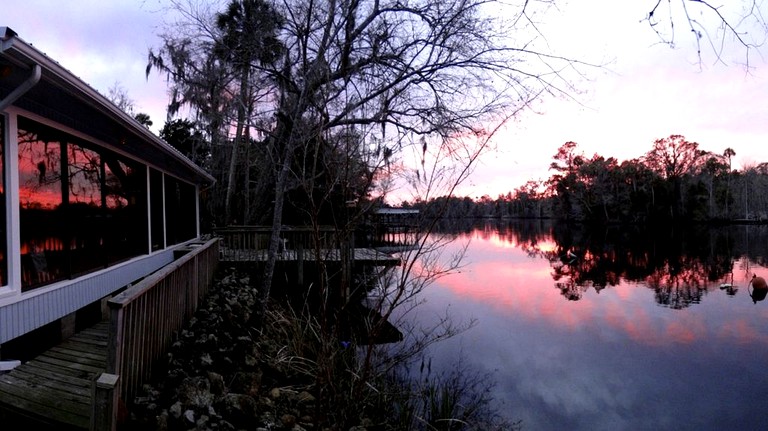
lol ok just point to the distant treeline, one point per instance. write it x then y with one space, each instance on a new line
675 181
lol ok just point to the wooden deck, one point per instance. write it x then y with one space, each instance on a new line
365 256
55 387
59 390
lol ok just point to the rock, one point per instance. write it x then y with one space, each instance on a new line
266 403
239 409
307 421
274 393
268 419
195 392
217 383
175 410
305 397
202 423
250 361
161 424
189 415
247 383
288 421
206 360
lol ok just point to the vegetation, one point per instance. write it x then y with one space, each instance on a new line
308 112
223 373
675 181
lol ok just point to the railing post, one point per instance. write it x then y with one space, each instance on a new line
104 406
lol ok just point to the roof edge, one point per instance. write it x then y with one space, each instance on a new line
64 78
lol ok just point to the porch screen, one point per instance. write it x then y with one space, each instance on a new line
180 211
81 207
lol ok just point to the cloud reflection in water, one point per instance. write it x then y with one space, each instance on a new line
611 360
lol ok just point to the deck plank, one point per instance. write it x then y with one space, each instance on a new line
57 369
55 387
69 365
77 346
48 404
74 392
93 354
52 377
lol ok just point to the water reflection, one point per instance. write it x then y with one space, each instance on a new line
614 328
681 265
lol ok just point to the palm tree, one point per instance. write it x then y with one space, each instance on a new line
249 37
728 153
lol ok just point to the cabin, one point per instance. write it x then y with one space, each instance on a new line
91 201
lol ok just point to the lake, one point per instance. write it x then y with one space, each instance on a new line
611 328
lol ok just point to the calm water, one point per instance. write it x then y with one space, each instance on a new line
634 332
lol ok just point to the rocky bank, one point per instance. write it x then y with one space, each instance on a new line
221 374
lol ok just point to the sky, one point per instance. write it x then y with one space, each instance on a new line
644 90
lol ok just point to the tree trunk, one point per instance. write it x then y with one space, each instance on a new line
277 225
241 119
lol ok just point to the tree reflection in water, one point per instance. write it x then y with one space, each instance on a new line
613 327
681 264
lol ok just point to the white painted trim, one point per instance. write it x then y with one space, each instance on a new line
7 290
149 212
165 221
12 201
197 210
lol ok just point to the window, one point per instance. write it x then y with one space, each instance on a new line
41 222
125 208
180 211
156 209
81 207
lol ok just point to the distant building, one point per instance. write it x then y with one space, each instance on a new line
90 199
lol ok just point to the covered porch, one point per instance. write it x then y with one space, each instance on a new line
85 381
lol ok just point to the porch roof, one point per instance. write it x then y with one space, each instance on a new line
62 97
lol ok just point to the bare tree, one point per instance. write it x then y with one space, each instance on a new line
712 27
118 95
405 76
213 61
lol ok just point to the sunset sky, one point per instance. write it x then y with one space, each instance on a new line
645 91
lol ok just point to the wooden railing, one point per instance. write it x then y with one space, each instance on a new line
143 321
297 243
240 243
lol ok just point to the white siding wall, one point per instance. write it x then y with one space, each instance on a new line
42 306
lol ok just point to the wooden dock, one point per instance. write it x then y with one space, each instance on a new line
366 256
55 388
